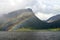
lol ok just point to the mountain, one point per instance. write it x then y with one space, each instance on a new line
33 23
23 18
26 18
29 20
16 17
54 18
16 13
55 24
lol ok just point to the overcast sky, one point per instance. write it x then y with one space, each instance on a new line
44 9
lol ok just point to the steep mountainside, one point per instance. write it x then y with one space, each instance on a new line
14 19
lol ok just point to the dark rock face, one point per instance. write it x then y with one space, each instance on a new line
35 23
54 22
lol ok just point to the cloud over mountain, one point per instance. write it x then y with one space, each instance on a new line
42 6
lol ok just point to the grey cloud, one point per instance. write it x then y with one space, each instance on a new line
43 6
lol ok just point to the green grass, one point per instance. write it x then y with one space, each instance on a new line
24 29
44 30
54 29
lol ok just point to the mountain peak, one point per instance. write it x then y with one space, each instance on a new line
54 18
29 9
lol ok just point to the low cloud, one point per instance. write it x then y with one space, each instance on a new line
44 16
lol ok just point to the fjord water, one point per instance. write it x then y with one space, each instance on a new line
30 35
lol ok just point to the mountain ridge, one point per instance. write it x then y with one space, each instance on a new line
54 18
27 19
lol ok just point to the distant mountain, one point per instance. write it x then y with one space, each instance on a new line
54 18
55 24
16 17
